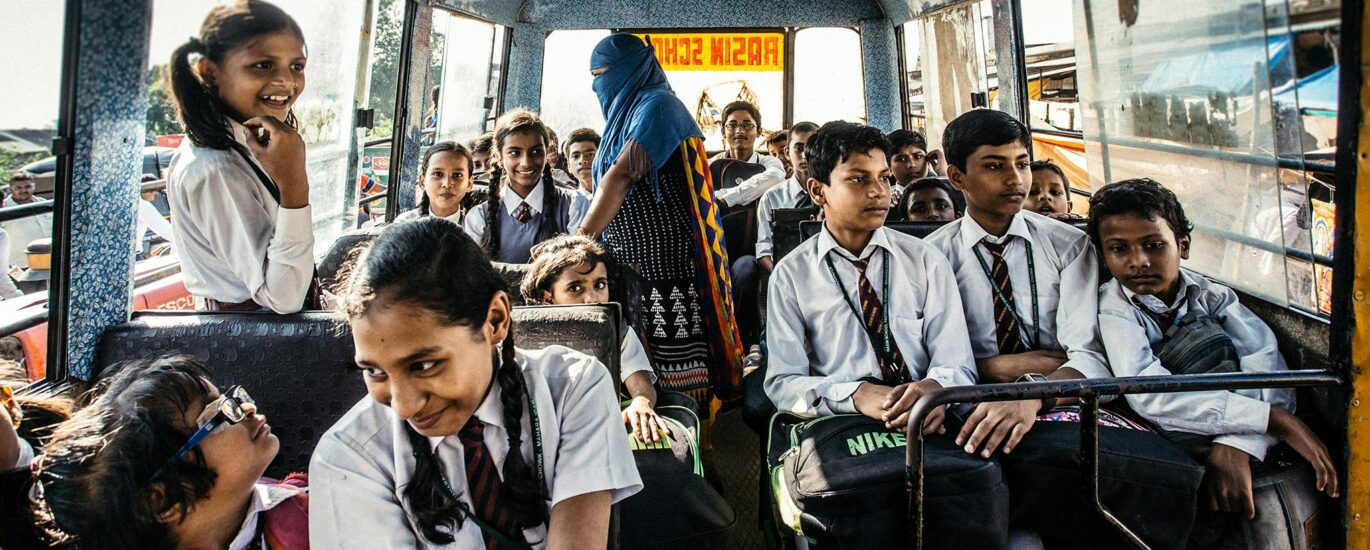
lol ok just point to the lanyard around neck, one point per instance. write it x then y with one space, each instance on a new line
1036 340
884 348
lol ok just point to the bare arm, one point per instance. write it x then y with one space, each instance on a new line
581 521
613 189
1010 367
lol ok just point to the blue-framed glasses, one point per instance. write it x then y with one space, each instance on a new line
230 411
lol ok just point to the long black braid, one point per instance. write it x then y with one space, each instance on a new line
551 204
490 241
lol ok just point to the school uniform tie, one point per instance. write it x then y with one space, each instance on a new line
523 213
892 367
1006 332
803 201
483 481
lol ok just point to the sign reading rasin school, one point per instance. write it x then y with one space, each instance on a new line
719 52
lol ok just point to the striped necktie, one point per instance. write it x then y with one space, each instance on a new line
892 369
1006 331
523 212
483 482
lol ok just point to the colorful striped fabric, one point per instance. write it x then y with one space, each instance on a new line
714 280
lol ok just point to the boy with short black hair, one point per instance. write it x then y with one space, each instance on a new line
864 320
1050 193
778 144
909 160
929 199
790 194
581 147
1149 311
480 148
741 127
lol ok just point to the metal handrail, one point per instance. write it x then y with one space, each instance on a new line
378 141
23 320
21 211
372 198
1089 391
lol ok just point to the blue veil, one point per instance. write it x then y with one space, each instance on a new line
638 104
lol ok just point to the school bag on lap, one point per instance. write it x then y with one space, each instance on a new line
676 505
839 481
1287 504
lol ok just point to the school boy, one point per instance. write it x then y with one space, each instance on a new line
1152 307
790 194
1028 286
909 160
1050 193
778 145
741 127
865 320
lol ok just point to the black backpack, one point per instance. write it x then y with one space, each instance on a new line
676 505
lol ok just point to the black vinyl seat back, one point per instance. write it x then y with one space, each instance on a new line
344 249
625 288
739 221
298 367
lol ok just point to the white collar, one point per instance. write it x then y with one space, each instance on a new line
511 199
264 497
827 243
972 233
490 412
1151 302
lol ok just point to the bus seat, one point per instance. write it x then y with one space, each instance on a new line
625 287
295 366
739 221
298 367
343 250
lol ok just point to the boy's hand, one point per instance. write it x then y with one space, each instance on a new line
282 156
646 426
1003 422
1065 216
1297 434
1227 483
870 400
900 401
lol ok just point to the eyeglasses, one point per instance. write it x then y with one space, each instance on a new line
230 411
733 126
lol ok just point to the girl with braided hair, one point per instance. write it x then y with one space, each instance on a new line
525 207
465 441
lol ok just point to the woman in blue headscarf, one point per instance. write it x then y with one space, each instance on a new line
654 209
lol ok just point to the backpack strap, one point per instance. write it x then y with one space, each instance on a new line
270 185
286 526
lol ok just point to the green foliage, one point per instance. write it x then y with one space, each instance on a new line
161 114
385 66
11 161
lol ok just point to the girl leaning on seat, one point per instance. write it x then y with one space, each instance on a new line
464 441
160 458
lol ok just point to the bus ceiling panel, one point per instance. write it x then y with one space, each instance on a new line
551 15
902 11
501 12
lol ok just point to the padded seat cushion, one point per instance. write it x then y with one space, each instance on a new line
299 367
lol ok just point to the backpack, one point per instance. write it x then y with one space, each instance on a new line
676 506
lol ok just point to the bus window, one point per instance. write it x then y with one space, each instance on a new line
464 59
29 108
957 52
568 102
325 110
1053 98
913 77
706 70
828 84
1174 97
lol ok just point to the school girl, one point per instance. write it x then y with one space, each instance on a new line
464 441
525 207
160 458
237 186
446 171
572 269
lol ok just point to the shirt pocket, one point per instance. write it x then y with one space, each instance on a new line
908 333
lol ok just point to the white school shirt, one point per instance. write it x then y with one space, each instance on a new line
819 346
475 219
150 218
363 464
752 188
264 498
1238 417
7 287
235 241
781 196
634 358
1065 262
26 230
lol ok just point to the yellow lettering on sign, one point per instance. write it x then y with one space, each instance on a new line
719 52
